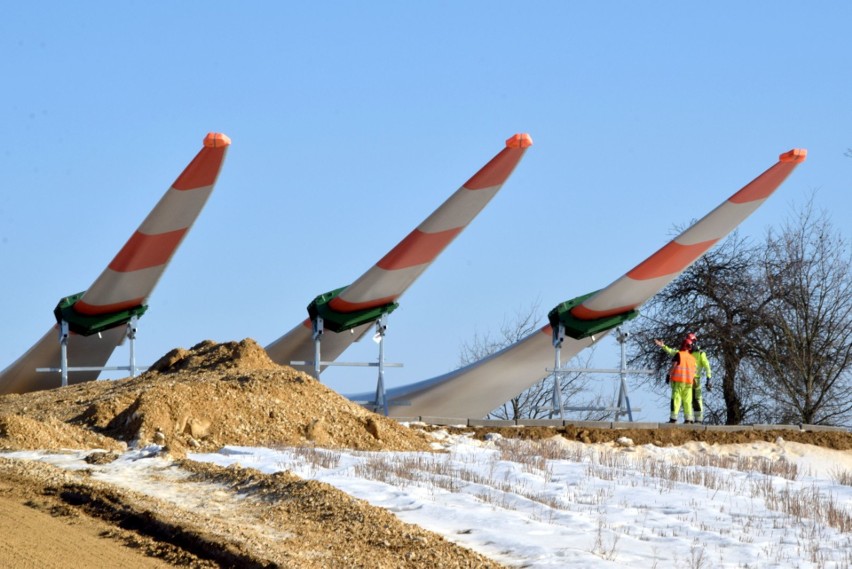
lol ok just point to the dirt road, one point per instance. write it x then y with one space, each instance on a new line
36 539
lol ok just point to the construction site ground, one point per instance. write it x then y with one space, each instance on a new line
212 395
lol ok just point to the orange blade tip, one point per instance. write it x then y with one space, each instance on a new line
216 140
796 155
519 141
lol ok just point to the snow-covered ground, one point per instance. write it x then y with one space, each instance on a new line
562 504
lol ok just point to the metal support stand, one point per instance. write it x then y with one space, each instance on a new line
131 337
64 368
380 402
623 405
381 330
623 398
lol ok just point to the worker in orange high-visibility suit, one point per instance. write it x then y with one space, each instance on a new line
702 364
681 376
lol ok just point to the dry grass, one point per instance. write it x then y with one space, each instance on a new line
842 476
806 512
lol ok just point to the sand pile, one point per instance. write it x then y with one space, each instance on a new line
208 355
200 399
18 432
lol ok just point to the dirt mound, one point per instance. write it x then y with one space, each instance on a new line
24 433
362 536
201 399
244 355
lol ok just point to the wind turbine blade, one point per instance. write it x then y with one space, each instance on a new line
127 281
387 280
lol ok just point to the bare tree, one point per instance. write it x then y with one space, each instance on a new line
535 402
805 344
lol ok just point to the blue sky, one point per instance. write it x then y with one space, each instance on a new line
352 121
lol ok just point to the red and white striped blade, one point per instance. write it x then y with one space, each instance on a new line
651 275
388 279
477 389
128 280
131 276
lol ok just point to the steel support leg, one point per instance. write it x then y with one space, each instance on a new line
623 398
63 352
317 324
556 403
381 330
131 337
624 401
